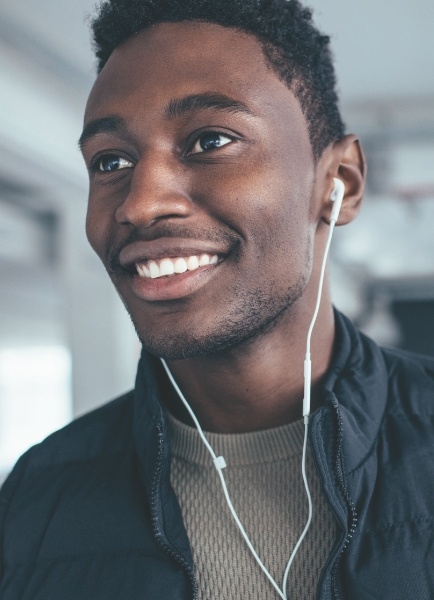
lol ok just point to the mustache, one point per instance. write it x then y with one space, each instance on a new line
229 238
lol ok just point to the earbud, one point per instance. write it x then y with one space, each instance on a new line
337 197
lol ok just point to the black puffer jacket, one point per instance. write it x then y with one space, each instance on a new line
89 514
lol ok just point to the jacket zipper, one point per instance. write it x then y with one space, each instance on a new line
161 540
344 489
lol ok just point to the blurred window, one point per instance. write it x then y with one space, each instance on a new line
35 397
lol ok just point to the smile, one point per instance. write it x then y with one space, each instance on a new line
169 268
166 267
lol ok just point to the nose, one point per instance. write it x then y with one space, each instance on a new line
157 191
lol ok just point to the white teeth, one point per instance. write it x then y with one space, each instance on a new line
169 266
180 265
192 263
154 269
143 270
166 267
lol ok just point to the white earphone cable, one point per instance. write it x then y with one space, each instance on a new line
306 409
219 461
220 464
310 512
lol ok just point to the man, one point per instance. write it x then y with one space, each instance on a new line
213 138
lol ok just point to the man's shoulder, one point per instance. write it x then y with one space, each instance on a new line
406 365
375 368
410 380
408 359
103 431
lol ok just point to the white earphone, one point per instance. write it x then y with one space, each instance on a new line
336 197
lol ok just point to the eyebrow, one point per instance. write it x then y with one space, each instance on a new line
111 124
180 106
177 107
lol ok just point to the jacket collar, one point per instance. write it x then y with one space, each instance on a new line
153 451
357 379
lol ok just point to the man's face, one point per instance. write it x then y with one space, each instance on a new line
200 162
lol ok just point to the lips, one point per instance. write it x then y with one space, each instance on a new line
168 268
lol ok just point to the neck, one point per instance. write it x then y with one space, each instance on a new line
258 385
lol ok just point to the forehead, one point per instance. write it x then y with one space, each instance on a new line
177 59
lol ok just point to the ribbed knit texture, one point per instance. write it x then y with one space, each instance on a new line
266 487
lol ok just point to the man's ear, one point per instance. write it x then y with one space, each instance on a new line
345 160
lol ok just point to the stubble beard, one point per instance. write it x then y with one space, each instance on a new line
252 316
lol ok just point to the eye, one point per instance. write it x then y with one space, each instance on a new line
210 141
111 162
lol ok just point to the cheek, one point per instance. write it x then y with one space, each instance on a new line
282 233
284 241
97 227
272 211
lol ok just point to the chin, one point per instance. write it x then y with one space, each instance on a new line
229 336
181 347
240 323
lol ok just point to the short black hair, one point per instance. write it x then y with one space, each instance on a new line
294 48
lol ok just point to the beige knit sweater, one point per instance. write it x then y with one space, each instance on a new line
266 487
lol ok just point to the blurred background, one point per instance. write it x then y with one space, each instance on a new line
66 343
